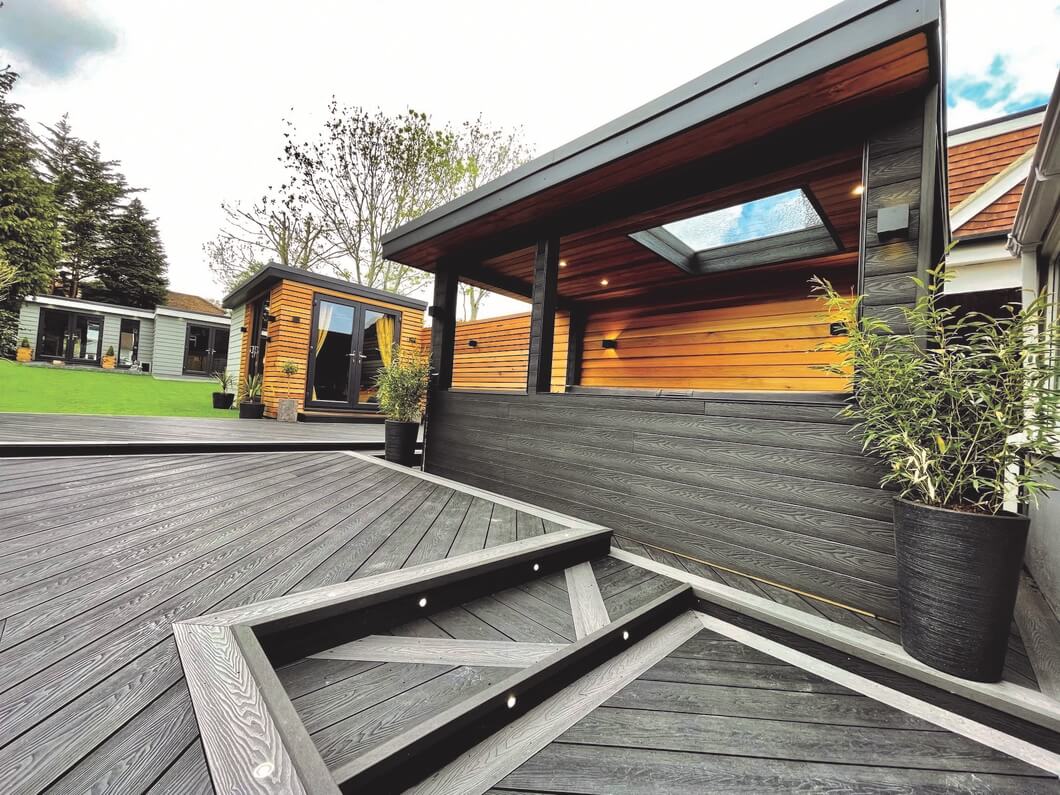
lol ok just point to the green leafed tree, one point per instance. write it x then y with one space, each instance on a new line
131 265
29 239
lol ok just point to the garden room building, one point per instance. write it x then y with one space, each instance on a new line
667 257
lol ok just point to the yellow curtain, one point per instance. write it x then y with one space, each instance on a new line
384 332
323 326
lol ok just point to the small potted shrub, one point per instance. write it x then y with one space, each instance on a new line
224 398
401 390
108 359
287 408
23 354
965 413
250 405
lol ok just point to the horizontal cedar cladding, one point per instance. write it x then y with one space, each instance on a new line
289 340
498 359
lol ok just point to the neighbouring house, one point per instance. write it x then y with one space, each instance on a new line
186 336
988 168
336 333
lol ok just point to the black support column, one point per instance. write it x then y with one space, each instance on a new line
443 324
543 316
575 341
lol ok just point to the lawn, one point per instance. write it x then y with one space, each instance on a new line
59 391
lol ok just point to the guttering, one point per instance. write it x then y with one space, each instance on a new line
833 36
80 303
190 314
1038 217
274 272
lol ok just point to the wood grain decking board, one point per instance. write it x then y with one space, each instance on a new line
88 666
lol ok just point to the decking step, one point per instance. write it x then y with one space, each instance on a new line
1040 631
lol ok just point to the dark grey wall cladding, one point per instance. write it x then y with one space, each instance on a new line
895 160
778 490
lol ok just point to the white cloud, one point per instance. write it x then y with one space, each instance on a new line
52 36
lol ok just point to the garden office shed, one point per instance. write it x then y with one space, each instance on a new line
675 246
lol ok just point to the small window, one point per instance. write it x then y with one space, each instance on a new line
778 228
774 215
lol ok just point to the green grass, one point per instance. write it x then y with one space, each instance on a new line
60 391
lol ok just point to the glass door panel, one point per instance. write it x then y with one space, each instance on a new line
219 350
85 339
197 350
377 345
51 340
129 342
332 352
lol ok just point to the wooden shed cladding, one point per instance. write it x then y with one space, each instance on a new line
498 360
289 339
761 346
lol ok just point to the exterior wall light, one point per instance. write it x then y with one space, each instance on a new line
609 344
472 343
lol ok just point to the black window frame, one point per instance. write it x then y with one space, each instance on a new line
71 324
136 346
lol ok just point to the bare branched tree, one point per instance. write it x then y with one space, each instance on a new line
271 229
367 173
485 153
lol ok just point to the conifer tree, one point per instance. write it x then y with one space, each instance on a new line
131 265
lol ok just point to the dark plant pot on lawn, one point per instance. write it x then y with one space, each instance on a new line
223 400
401 442
958 574
251 410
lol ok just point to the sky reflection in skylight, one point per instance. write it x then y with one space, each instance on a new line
773 215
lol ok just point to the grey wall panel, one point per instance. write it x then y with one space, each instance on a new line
147 340
168 351
778 490
28 320
235 342
1043 545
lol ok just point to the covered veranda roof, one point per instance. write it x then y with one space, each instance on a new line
792 112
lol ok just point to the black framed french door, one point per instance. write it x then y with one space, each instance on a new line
74 337
205 349
349 342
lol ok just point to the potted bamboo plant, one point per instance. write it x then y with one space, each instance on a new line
965 412
224 398
250 405
401 386
108 361
24 353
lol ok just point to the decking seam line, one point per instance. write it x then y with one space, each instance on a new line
496 498
427 530
830 762
328 683
379 546
515 609
1013 746
1014 699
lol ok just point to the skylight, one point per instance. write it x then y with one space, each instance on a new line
791 211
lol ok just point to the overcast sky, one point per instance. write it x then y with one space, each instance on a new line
191 96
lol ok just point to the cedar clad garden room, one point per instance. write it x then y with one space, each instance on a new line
670 380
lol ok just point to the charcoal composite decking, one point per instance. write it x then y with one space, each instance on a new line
42 430
101 555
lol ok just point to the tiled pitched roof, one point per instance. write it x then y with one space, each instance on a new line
975 163
192 303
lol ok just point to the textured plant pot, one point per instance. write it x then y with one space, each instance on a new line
223 400
287 410
401 442
251 410
23 354
107 362
958 574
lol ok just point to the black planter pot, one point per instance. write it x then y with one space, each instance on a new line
223 400
958 574
251 410
401 442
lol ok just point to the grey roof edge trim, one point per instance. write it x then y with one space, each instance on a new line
885 21
1037 212
274 272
